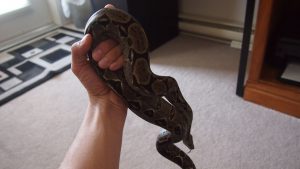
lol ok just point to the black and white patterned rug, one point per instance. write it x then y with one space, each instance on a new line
29 64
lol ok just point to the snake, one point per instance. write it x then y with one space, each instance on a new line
154 98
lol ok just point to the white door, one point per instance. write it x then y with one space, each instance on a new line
18 17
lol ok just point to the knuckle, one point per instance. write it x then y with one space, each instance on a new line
74 46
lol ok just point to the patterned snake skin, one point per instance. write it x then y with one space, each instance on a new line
142 90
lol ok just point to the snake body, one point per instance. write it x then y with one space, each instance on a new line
156 99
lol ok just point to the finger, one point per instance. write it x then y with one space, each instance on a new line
109 6
110 57
102 49
80 49
117 64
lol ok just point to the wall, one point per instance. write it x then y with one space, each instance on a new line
22 21
230 11
217 18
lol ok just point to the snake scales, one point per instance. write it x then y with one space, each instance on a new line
142 90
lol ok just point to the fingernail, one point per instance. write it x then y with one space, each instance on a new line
109 6
114 67
83 39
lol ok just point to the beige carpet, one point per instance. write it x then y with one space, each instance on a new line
229 133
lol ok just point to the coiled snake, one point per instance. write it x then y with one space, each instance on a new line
142 90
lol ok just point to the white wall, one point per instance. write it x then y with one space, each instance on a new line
22 21
230 11
218 18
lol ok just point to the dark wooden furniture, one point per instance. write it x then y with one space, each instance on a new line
263 86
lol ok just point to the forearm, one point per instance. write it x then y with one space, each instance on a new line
99 139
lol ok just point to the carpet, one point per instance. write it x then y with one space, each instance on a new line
31 63
37 128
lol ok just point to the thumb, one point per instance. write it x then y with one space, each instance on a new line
109 6
80 49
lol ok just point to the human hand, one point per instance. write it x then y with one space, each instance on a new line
100 134
107 54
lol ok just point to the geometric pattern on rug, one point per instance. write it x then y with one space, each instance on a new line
31 63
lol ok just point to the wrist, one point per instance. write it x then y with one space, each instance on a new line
102 111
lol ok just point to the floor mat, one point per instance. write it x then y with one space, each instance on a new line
31 63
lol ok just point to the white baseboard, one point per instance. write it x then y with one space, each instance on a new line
238 45
213 29
25 37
